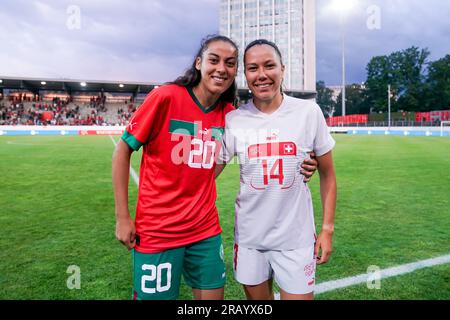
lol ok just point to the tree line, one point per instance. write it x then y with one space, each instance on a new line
417 85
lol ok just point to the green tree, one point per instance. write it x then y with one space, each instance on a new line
379 76
405 72
355 100
325 99
409 77
438 85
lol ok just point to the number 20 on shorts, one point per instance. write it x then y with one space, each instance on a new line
156 273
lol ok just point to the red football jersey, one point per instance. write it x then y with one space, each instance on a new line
177 192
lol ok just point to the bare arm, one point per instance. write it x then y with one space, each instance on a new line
328 193
125 229
218 169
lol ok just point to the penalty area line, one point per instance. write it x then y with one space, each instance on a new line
133 173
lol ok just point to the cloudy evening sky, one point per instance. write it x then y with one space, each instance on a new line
155 40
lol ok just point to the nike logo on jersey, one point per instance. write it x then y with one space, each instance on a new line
195 130
273 137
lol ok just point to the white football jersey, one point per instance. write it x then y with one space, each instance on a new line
274 209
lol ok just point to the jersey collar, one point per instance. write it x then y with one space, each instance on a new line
273 114
205 110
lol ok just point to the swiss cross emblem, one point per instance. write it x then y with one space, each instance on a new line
288 148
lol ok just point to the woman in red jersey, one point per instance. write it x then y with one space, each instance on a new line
176 229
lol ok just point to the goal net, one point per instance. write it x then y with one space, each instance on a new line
445 127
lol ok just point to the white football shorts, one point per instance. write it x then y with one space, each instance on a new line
293 270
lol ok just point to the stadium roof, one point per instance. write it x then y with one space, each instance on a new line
72 85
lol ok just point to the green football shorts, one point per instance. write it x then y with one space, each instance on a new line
157 276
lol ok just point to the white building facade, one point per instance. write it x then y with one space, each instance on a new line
288 23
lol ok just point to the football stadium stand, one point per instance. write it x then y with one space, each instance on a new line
29 105
31 101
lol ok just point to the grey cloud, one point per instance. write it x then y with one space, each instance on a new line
404 23
134 40
128 40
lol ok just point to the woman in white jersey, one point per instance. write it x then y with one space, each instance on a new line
176 232
274 227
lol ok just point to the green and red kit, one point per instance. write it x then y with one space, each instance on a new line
177 193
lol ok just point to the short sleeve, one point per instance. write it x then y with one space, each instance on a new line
323 141
144 122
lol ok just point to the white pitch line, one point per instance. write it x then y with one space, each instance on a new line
132 172
384 273
26 144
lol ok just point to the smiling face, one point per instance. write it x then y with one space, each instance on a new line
218 67
264 73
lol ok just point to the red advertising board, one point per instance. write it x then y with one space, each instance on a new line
100 132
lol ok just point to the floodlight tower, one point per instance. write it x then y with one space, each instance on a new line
343 8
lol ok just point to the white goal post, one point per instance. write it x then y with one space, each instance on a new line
443 123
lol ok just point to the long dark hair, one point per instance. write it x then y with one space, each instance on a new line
269 43
192 76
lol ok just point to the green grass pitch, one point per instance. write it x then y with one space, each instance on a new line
57 210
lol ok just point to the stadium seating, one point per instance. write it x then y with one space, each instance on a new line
78 110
